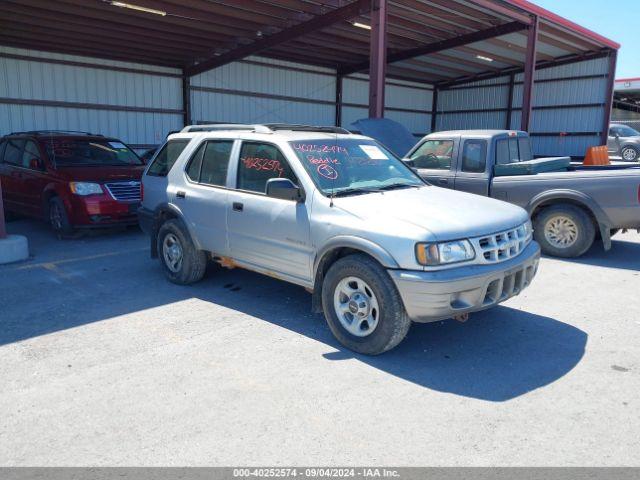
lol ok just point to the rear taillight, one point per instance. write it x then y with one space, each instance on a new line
638 193
141 191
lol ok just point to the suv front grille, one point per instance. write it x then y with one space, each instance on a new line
501 246
124 191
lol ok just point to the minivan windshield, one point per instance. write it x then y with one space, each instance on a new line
76 152
351 166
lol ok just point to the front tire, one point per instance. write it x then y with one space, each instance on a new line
58 218
181 261
564 231
629 154
362 306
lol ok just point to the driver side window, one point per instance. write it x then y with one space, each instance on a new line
434 154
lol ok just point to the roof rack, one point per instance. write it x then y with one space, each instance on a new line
56 132
225 126
264 128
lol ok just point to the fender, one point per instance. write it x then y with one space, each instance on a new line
574 196
176 212
357 243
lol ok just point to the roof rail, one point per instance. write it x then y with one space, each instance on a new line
265 128
225 126
306 128
49 132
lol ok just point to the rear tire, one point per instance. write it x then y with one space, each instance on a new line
181 261
564 231
362 306
58 218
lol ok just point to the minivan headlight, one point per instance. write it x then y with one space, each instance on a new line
85 188
430 254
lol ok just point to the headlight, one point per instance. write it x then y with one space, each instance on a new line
85 188
443 253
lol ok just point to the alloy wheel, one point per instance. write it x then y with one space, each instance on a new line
356 306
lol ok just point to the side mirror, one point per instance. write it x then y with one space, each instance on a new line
35 164
284 189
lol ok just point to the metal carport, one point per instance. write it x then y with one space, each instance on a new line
443 64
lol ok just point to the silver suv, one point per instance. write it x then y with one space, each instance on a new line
338 214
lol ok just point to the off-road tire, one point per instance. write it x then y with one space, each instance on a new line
393 323
586 230
58 218
631 152
194 261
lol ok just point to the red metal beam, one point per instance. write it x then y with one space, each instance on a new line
613 60
377 58
529 72
317 23
442 45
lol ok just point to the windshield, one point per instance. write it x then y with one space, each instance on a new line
625 131
353 166
94 152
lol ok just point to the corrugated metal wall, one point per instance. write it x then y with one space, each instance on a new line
407 103
254 91
568 106
40 90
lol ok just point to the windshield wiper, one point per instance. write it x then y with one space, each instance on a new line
355 191
395 186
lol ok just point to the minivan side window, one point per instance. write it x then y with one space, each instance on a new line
31 152
474 156
258 163
166 157
210 163
13 152
433 154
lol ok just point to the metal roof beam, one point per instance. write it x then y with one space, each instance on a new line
317 23
442 45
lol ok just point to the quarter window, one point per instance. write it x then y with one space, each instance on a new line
513 149
258 163
13 152
434 154
166 157
474 155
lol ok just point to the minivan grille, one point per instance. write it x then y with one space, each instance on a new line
124 191
502 246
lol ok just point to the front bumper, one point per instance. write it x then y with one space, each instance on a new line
101 211
438 295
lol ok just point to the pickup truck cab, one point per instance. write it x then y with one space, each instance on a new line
570 205
338 214
70 179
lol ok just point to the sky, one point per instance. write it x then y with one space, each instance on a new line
614 19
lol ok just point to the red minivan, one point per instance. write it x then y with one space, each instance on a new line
70 179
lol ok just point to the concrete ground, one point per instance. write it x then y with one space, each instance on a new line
104 362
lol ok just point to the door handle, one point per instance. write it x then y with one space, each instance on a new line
443 181
181 194
238 207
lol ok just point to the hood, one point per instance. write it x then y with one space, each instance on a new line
446 214
101 174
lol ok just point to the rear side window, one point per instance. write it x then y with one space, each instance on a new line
166 157
513 149
474 154
210 163
31 152
2 145
258 163
13 152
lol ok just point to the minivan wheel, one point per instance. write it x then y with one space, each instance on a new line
564 231
629 154
182 262
362 305
58 218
